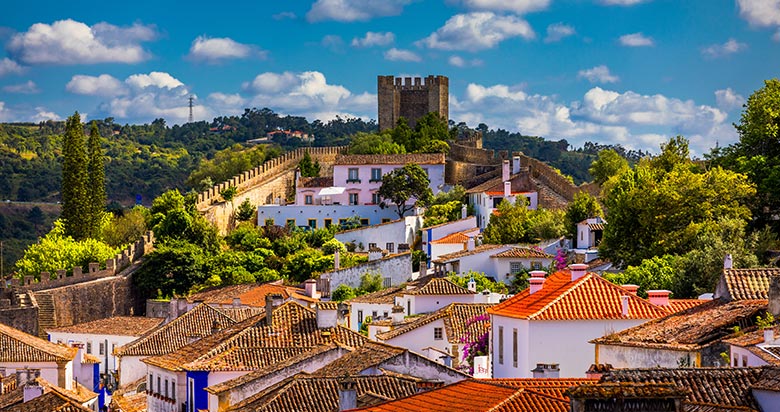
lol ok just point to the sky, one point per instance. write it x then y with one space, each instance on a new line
629 72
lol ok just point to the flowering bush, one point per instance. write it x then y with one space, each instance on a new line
560 260
475 344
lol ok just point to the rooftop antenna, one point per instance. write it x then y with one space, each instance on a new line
192 99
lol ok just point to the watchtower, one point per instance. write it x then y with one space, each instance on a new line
411 98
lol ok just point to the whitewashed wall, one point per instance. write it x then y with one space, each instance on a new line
107 359
397 267
418 339
302 214
131 369
395 232
636 357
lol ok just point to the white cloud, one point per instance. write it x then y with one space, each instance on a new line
214 49
458 61
402 55
333 42
372 39
598 74
226 103
728 100
514 6
29 87
42 115
760 13
354 10
8 66
103 85
477 31
160 80
628 118
621 2
557 32
721 50
636 40
308 94
72 42
26 114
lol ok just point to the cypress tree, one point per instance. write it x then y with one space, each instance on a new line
75 209
96 190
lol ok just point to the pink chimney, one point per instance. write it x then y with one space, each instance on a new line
536 281
658 297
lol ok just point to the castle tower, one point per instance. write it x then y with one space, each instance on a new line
411 99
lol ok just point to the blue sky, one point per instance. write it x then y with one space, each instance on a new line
632 72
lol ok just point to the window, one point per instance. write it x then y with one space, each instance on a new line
373 315
376 174
384 315
736 360
352 175
438 334
376 199
390 247
191 395
500 345
313 223
166 388
151 381
364 222
514 347
173 390
353 198
360 317
102 348
536 265
497 201
387 282
385 220
409 307
89 347
515 267
158 384
371 246
744 361
290 222
309 199
328 222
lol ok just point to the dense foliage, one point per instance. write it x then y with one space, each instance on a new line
515 223
405 183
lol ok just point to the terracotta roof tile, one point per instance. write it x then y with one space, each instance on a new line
721 386
440 286
50 401
589 297
13 399
192 325
302 393
320 181
769 380
477 250
456 238
628 390
457 319
391 159
520 183
250 294
253 344
117 325
749 283
372 354
523 253
388 295
555 387
709 407
129 403
17 346
690 329
677 305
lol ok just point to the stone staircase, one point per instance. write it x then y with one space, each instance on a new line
46 319
22 300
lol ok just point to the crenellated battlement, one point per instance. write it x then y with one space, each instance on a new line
61 277
411 98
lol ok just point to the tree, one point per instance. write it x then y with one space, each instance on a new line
403 184
442 213
342 292
515 223
308 167
245 211
582 207
481 280
608 164
96 187
372 143
658 272
75 178
126 228
174 267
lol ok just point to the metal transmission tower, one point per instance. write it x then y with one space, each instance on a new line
192 99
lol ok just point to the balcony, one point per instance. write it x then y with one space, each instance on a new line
353 180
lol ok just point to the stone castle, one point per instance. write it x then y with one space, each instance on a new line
411 98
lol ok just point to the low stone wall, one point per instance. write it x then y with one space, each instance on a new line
475 155
24 319
396 267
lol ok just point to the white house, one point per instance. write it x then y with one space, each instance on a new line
553 321
501 262
433 295
757 348
514 183
100 337
445 331
393 236
325 216
589 232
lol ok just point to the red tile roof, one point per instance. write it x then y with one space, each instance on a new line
747 283
250 294
677 305
454 238
459 254
440 286
523 253
457 319
554 387
589 297
17 346
117 325
391 159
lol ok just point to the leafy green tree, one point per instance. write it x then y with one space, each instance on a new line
403 184
608 164
429 130
229 193
245 211
370 282
372 143
75 178
480 279
582 207
442 213
57 251
342 292
658 272
515 223
126 228
227 163
96 186
171 219
402 134
330 247
173 267
308 167
246 237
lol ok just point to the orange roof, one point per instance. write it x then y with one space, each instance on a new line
501 193
453 238
589 297
676 305
250 294
554 387
475 395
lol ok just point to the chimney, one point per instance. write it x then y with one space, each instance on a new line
464 211
472 285
536 281
336 260
774 296
236 302
577 270
505 171
507 189
397 314
446 360
515 164
327 316
271 300
311 289
624 305
374 254
32 390
471 243
728 262
347 393
631 288
769 335
546 370
596 370
658 297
